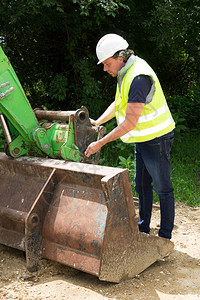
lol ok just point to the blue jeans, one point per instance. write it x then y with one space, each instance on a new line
153 166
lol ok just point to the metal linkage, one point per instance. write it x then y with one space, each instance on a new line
4 84
2 95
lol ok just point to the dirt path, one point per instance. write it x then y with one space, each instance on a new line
175 277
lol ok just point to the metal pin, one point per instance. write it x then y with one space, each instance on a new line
4 84
2 95
5 129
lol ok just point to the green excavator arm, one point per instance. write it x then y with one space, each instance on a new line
62 135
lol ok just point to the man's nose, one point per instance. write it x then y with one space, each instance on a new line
105 68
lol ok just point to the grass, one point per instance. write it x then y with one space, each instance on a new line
185 161
185 158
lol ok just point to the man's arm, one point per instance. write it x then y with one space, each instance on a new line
106 116
133 113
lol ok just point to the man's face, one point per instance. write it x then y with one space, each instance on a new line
113 65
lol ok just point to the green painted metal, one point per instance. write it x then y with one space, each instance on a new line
15 106
28 136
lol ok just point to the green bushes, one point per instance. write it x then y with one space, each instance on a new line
186 109
185 160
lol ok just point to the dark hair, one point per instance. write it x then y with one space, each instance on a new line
125 54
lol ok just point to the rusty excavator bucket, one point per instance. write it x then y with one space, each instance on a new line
80 215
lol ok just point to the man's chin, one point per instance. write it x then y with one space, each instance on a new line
113 75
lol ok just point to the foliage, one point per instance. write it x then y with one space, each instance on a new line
186 109
185 159
175 33
2 140
110 7
58 87
89 88
180 124
111 152
47 40
128 163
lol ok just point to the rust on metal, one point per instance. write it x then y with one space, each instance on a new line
77 214
53 115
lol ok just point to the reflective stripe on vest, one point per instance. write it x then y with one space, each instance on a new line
155 119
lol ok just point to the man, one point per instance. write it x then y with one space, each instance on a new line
143 118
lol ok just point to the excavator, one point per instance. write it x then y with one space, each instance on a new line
57 204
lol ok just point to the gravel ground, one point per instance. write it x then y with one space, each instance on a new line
175 277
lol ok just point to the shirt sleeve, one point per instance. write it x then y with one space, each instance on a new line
139 89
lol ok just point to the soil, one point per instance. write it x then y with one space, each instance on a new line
174 277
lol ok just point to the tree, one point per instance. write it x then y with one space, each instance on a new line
51 44
175 31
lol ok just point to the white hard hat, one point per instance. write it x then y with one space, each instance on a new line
108 45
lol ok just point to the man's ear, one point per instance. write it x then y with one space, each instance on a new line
120 59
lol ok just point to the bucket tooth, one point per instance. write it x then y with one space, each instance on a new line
77 214
132 259
126 252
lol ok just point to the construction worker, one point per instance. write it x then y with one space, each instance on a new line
143 118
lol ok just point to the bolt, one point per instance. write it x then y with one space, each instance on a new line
16 150
46 146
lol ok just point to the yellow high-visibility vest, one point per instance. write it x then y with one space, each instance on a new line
156 119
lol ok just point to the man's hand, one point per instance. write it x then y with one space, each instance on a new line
93 148
133 113
94 122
